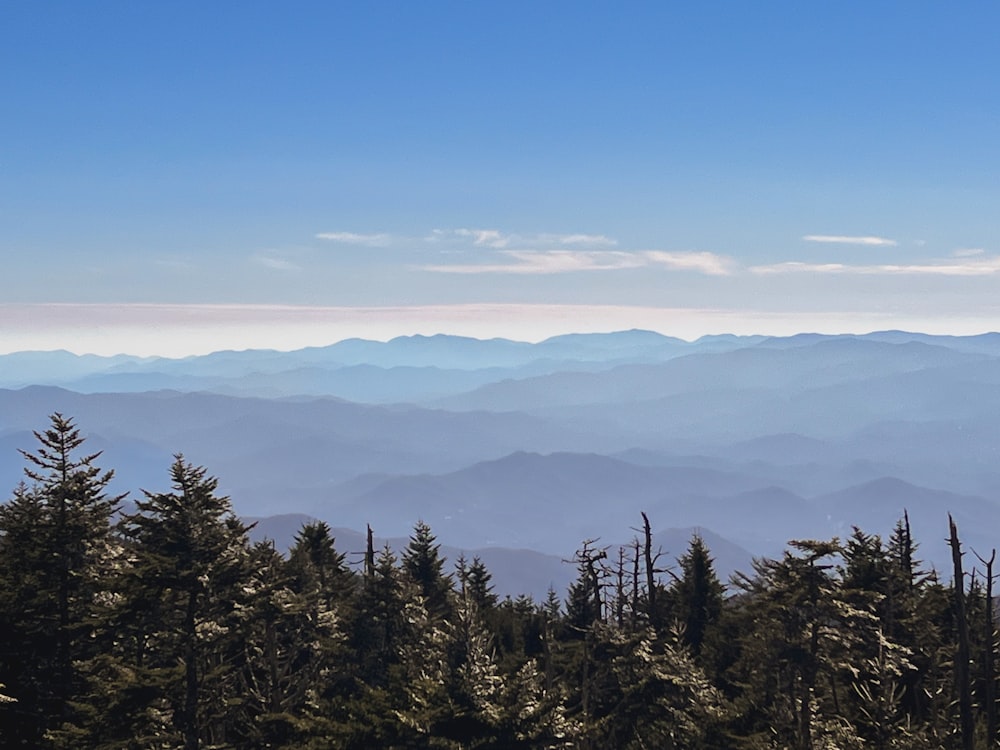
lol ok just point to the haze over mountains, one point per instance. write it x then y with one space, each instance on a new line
504 445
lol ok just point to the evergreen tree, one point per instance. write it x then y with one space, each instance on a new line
479 587
664 698
379 623
585 602
804 631
191 555
315 562
56 545
376 633
452 683
697 595
175 632
291 641
424 567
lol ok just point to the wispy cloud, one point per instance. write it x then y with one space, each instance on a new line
839 239
968 252
568 261
548 262
980 266
379 239
275 263
498 240
589 240
485 237
710 264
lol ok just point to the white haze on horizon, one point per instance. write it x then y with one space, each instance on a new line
179 330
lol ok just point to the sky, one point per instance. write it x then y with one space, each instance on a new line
182 177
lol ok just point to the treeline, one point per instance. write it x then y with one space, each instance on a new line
167 628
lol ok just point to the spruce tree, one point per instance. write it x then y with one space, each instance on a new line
697 594
479 586
315 562
424 566
190 554
55 546
585 600
291 647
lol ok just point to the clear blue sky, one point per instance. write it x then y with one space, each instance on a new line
776 164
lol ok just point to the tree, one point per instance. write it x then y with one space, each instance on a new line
585 601
477 583
424 566
697 594
452 683
379 622
665 700
962 655
56 548
315 562
803 630
190 554
287 663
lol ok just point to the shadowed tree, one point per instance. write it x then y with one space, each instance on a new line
697 594
314 560
424 567
191 556
56 545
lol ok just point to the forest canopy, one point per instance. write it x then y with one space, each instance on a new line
160 624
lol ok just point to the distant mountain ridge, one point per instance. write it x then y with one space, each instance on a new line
501 444
225 369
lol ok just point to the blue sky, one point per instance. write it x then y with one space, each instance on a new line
240 174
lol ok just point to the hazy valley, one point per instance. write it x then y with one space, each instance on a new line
503 445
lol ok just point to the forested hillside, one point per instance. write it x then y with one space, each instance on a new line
165 627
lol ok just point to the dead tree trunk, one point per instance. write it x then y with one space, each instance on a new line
990 676
635 587
962 679
650 572
370 555
620 589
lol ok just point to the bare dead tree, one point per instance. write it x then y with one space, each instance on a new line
370 554
620 588
651 560
635 583
962 679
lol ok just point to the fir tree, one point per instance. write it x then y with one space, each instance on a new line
191 556
315 561
56 543
479 587
585 602
424 566
291 644
697 594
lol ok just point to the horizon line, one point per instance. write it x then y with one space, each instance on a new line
189 329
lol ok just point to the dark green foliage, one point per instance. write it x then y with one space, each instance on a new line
377 633
585 603
172 631
315 563
475 582
190 573
424 568
697 595
56 548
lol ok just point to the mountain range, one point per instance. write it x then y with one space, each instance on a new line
503 445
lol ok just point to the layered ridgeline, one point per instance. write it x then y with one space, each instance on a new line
506 445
